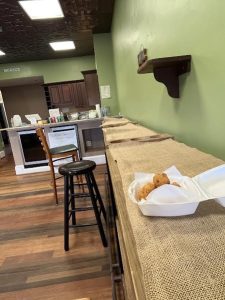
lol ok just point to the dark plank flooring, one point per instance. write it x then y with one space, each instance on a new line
33 264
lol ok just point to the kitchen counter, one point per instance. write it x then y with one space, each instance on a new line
31 126
165 258
27 151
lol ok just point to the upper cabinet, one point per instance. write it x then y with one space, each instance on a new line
62 94
92 87
55 95
80 93
67 94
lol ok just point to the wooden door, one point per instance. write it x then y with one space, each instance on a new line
67 94
92 87
81 95
55 95
75 94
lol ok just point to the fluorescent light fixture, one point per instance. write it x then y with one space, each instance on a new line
59 46
42 9
2 53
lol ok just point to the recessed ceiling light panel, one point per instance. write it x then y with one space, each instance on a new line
42 9
2 53
59 46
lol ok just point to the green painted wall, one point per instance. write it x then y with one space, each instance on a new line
53 70
169 28
105 68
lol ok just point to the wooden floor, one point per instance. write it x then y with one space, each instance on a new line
33 264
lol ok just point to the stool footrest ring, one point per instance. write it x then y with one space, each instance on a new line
82 225
81 209
80 195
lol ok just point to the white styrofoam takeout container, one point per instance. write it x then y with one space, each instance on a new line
170 201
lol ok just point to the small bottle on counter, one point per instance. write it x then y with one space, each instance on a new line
61 117
98 110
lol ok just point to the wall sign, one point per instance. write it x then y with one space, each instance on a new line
11 69
105 91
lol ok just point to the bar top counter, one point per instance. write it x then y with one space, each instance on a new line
33 126
178 258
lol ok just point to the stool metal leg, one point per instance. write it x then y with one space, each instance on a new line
72 200
97 214
66 213
98 195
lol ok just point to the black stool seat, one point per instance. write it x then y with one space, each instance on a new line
72 193
77 167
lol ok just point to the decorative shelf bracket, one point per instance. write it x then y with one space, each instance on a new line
167 70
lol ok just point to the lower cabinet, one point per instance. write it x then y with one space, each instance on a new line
90 133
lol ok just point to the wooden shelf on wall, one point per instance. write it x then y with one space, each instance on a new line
167 70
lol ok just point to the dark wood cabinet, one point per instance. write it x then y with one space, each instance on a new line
80 93
68 94
82 100
55 95
92 87
62 94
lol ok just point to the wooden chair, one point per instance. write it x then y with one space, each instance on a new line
55 154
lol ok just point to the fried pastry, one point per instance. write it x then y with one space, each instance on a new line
160 179
145 190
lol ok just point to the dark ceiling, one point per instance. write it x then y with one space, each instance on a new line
23 39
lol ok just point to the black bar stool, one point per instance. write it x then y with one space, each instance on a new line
83 167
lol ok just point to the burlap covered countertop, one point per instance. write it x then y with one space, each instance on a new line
180 258
125 132
113 122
